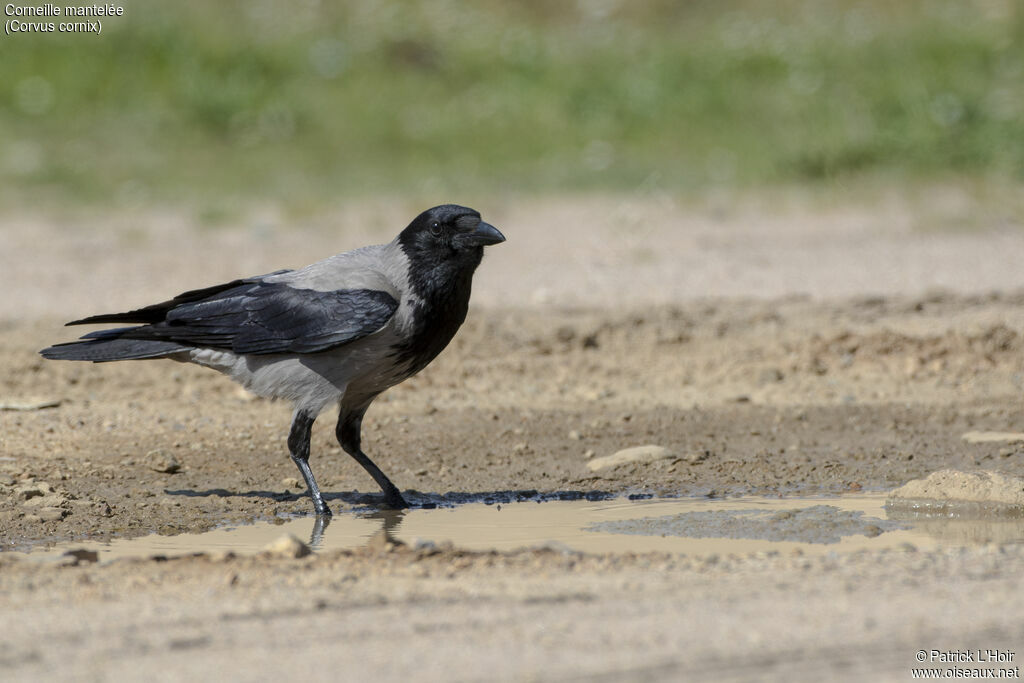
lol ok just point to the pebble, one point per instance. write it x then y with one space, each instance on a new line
54 500
974 487
32 490
291 483
100 508
636 454
30 405
51 514
287 546
161 461
80 555
993 437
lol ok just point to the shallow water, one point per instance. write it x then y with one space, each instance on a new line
693 526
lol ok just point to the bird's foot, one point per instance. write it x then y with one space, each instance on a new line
394 500
321 509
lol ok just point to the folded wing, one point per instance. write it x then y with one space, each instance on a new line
244 316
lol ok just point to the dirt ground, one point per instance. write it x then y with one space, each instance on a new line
799 350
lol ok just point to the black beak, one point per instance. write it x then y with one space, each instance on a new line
484 235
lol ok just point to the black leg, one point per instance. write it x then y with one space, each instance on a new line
298 445
348 431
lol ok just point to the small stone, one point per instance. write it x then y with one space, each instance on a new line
161 461
31 405
520 447
96 507
28 491
52 500
291 483
287 546
80 555
993 437
51 514
575 435
637 454
945 486
589 453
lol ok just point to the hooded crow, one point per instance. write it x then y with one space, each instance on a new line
339 331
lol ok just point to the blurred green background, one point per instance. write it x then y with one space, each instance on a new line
213 103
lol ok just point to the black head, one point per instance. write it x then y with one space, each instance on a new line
448 231
444 246
447 240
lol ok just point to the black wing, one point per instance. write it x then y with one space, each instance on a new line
158 312
258 318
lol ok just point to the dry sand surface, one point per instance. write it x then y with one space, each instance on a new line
780 351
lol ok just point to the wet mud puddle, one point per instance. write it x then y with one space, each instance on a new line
692 526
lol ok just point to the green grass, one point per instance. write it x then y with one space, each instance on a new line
308 103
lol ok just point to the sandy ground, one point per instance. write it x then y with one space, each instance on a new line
792 350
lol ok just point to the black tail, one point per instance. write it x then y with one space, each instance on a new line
106 345
123 343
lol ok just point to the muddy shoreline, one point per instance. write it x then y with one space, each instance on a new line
141 447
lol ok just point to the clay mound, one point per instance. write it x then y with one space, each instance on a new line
951 492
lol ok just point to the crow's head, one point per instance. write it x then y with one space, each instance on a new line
448 233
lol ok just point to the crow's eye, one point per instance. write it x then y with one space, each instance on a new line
435 228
